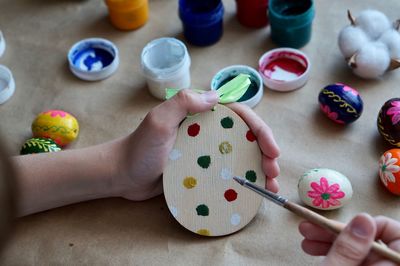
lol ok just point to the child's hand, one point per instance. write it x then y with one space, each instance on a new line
352 245
146 149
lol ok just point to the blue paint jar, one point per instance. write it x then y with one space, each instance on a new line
202 21
291 22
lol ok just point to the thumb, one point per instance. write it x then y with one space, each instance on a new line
353 244
177 108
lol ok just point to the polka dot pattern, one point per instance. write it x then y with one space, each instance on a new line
189 182
193 130
230 195
211 148
251 176
235 219
227 122
204 161
250 136
225 147
202 210
204 232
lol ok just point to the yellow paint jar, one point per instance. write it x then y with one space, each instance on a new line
128 14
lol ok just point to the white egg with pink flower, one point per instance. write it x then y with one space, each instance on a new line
324 189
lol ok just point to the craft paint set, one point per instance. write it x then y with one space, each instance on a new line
213 147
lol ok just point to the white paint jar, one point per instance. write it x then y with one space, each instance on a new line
7 84
2 44
165 64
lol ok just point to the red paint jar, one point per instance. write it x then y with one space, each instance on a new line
252 13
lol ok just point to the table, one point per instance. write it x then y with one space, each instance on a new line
119 232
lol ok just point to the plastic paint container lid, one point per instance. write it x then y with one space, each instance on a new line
7 84
2 44
253 94
165 63
93 59
284 69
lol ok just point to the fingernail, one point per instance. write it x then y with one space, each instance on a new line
360 227
210 96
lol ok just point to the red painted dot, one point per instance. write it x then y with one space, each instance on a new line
193 130
230 195
250 136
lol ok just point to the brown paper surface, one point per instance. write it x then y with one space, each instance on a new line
39 34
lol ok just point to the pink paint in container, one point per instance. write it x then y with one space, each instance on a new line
284 69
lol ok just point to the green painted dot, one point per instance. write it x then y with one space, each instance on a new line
202 210
227 122
251 176
204 161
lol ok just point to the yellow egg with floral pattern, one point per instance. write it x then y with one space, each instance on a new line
58 125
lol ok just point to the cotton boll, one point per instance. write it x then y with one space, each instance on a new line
373 22
372 60
351 39
392 40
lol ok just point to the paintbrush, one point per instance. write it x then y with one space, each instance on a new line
334 226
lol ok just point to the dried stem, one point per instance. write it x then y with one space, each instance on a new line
394 64
351 18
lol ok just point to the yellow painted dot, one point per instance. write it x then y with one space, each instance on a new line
189 182
204 232
225 147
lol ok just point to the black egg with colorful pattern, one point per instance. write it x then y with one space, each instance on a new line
389 121
324 189
340 103
39 145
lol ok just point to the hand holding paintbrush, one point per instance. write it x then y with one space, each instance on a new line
334 226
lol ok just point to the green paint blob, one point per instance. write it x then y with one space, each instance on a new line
202 210
204 161
251 90
251 176
227 122
325 196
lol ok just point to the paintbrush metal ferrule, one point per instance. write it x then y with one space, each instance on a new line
263 192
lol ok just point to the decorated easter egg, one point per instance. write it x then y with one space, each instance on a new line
57 125
389 170
324 189
340 103
39 145
389 121
201 194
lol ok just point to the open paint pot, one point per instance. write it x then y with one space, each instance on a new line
255 91
93 59
7 84
128 14
252 13
291 22
2 44
165 64
284 69
202 21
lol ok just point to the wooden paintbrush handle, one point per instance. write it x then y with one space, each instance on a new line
337 227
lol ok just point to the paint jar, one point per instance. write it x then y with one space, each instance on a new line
202 21
7 84
284 69
2 44
93 59
255 91
252 13
128 14
165 64
291 22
